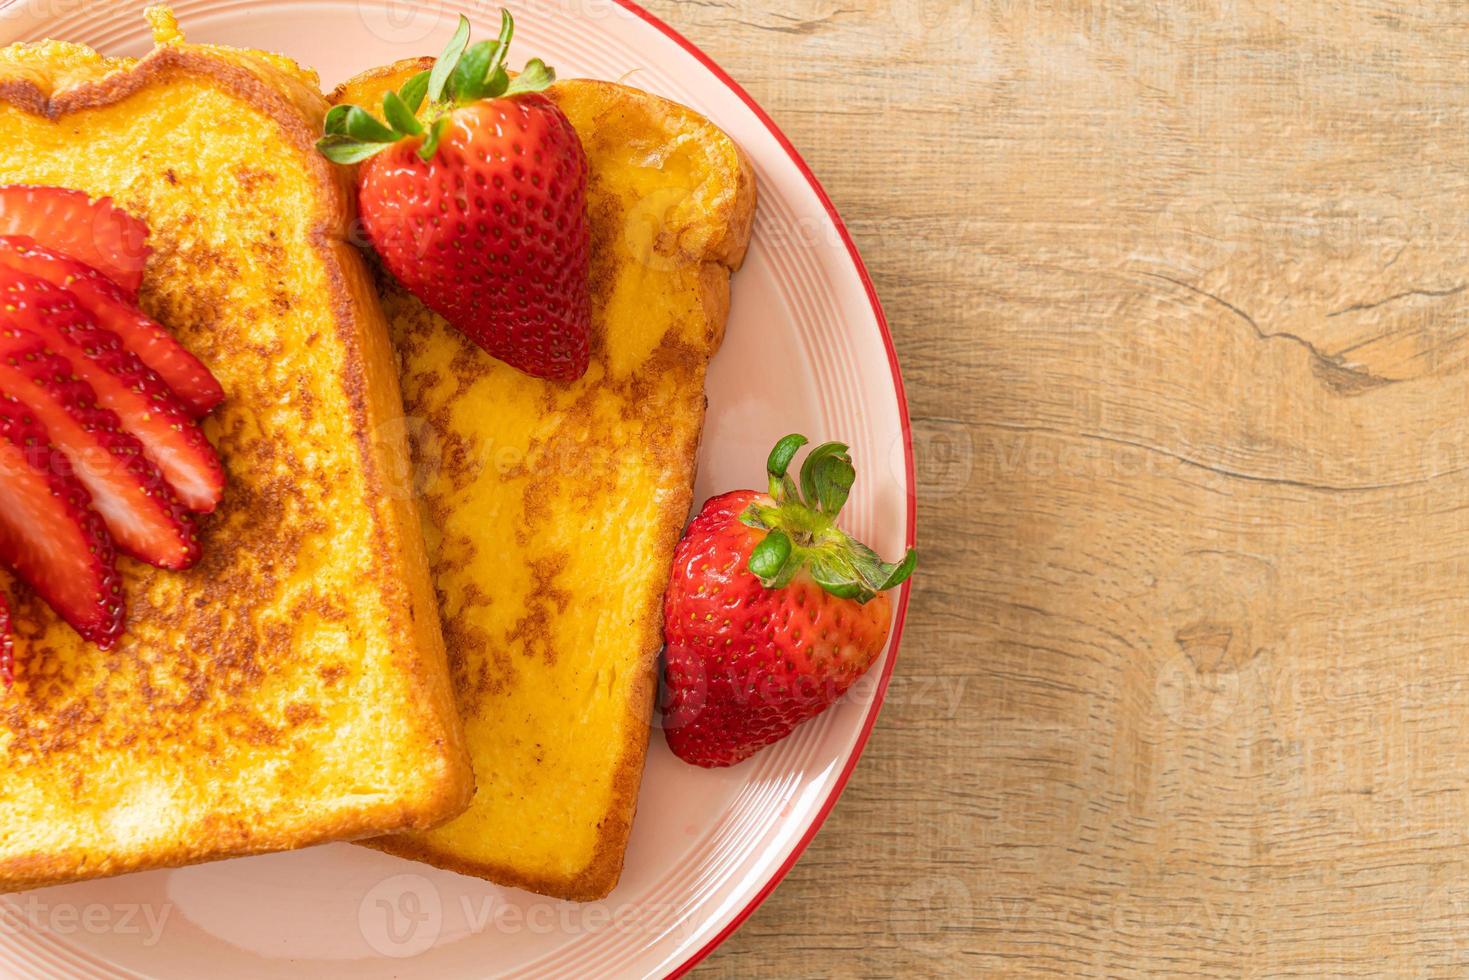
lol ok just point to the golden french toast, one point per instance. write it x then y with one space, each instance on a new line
292 687
551 510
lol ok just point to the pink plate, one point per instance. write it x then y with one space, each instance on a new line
806 350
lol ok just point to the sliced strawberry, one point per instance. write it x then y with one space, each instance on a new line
95 232
49 533
110 306
7 645
124 385
146 520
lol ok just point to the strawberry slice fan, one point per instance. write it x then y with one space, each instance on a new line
146 519
113 310
94 233
100 448
49 533
171 439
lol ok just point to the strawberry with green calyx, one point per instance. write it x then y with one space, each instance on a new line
772 611
803 529
473 193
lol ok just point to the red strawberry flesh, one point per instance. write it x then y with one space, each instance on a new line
491 231
50 535
146 520
123 384
67 221
111 307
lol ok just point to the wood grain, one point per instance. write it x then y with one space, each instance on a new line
1180 295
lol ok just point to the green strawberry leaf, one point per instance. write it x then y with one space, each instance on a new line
431 142
785 450
467 84
497 83
785 490
341 148
832 479
801 531
534 77
364 126
816 462
768 558
399 116
507 28
782 487
865 562
414 90
336 120
751 517
838 581
502 43
900 571
448 60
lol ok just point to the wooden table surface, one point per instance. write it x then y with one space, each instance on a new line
1180 295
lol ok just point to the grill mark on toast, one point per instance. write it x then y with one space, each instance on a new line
544 603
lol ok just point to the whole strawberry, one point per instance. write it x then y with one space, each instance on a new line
772 611
476 203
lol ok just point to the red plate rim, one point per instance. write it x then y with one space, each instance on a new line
902 605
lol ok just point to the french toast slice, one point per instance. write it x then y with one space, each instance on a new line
551 510
292 687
